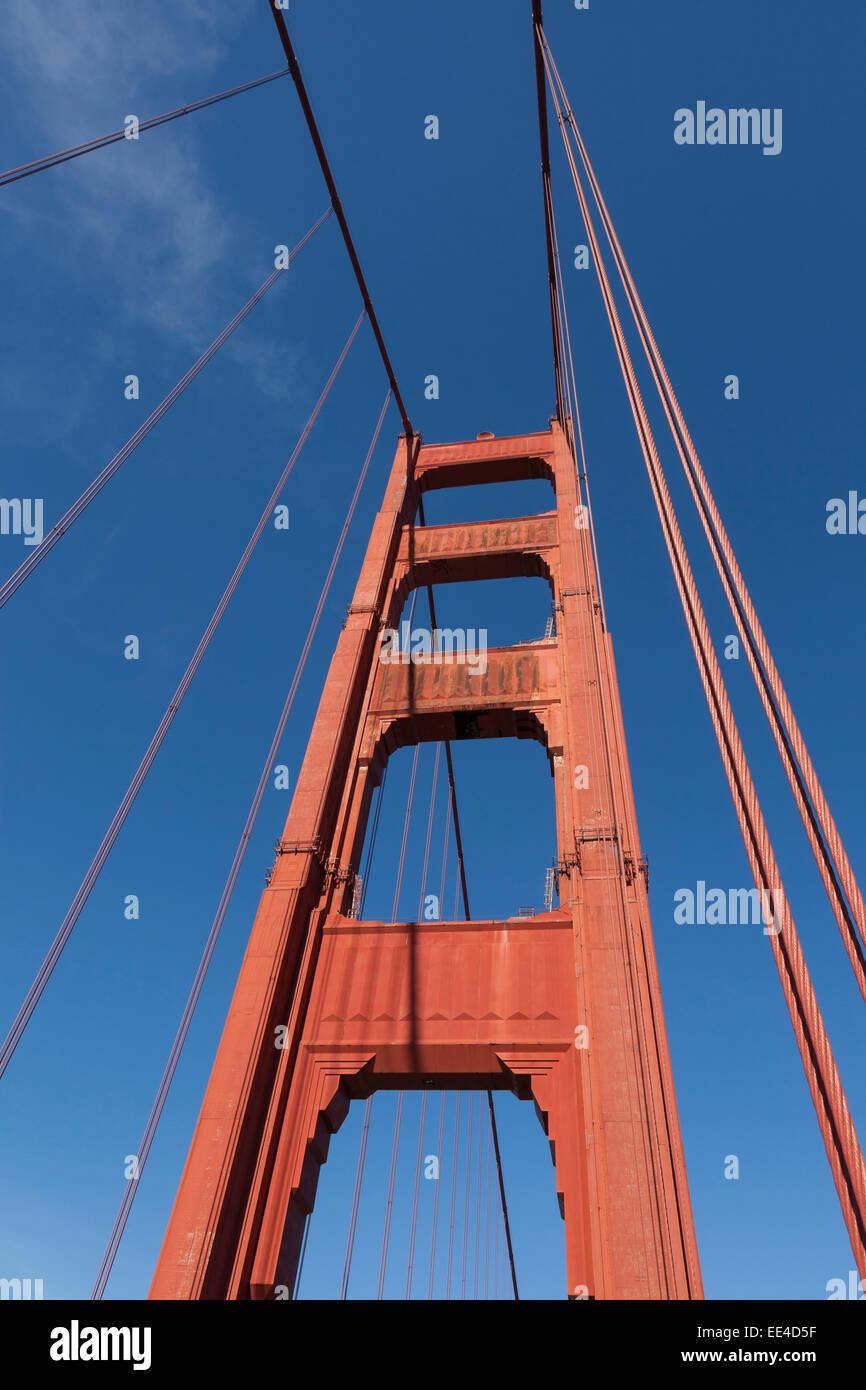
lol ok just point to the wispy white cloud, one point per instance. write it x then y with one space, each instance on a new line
148 208
97 45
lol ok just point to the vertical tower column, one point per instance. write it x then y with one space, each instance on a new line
562 1008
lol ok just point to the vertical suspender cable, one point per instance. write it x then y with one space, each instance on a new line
359 1175
228 889
468 1189
406 820
487 1224
49 161
296 1288
496 1255
467 915
414 1225
479 1185
36 556
458 838
429 833
38 986
829 851
373 833
454 1157
444 858
436 1196
843 1150
387 1235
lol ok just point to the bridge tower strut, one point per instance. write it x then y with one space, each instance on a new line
562 1008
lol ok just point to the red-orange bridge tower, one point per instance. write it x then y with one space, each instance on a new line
563 1007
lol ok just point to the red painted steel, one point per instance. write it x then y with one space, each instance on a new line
562 1008
832 860
828 1096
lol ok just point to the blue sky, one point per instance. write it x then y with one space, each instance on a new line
130 260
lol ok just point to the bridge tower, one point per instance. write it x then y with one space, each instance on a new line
562 1008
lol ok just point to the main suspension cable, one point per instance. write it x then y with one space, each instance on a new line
336 204
824 838
504 1205
544 142
843 1150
